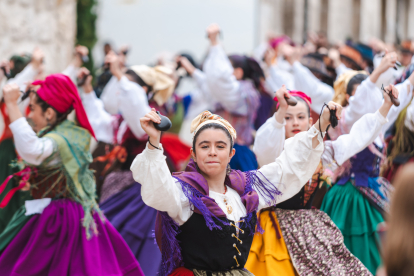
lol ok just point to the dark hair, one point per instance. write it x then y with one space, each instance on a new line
357 79
251 69
303 101
212 126
190 59
60 117
138 80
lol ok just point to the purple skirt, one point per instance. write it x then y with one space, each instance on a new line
54 243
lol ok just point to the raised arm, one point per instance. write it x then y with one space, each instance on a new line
362 134
278 77
269 141
297 162
367 99
100 120
133 104
72 69
306 82
109 94
405 90
159 190
222 84
270 137
32 149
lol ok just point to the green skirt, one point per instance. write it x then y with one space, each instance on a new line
16 224
7 155
357 219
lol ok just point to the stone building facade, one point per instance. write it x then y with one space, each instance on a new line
389 20
49 24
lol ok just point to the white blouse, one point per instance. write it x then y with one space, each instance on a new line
32 149
270 139
289 172
278 76
222 85
306 82
132 103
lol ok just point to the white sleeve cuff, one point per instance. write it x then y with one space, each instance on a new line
312 132
91 96
154 154
382 120
197 74
370 84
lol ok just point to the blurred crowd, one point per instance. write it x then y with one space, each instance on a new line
242 89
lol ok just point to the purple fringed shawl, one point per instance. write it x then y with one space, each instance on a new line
195 187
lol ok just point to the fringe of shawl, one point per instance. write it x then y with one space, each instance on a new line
171 251
263 187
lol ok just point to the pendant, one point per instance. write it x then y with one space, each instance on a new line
229 209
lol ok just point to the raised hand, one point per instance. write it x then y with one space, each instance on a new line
282 95
391 94
325 119
37 58
11 94
186 64
85 80
114 64
147 124
388 61
81 55
388 102
212 32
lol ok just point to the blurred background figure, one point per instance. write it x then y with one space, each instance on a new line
398 248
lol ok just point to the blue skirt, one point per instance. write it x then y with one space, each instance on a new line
135 221
244 159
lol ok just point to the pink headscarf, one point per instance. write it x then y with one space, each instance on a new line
299 94
277 40
60 92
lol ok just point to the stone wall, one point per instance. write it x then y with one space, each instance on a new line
389 20
49 24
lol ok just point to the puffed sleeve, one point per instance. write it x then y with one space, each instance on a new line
159 189
32 149
269 141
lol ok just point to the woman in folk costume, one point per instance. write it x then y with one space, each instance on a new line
358 201
233 82
120 197
61 231
26 69
400 142
278 249
207 213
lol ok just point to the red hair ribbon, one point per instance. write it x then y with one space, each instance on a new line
24 175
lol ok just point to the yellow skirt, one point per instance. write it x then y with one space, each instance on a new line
268 254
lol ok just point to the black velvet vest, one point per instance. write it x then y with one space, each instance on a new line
215 250
296 202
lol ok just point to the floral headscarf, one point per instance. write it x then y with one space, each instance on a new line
207 117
